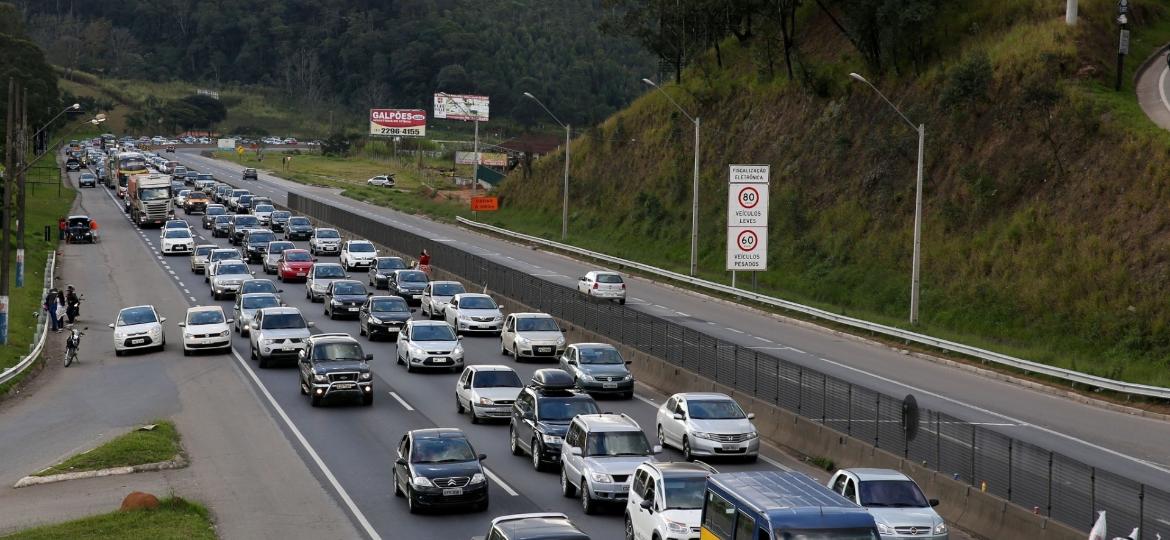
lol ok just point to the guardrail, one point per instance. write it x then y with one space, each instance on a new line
42 327
888 331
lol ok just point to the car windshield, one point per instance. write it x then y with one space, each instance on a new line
441 450
892 494
389 305
139 315
283 321
247 221
204 317
496 379
349 288
477 302
563 410
536 324
278 247
609 278
196 195
298 256
361 248
226 269
279 214
300 221
245 199
223 219
154 194
391 263
264 208
329 271
827 534
327 233
446 289
432 332
617 443
239 192
685 493
218 255
599 355
259 302
79 222
714 409
262 285
261 237
202 251
184 192
412 277
178 233
338 352
216 210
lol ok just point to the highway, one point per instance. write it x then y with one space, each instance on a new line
1130 445
352 447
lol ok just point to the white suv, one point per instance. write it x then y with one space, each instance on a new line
325 241
598 457
603 285
707 424
666 499
895 501
487 391
532 335
358 254
278 332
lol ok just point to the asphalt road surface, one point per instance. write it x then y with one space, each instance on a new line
1130 445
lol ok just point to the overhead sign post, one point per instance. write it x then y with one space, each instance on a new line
398 122
747 219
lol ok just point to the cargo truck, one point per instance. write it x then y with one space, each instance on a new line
148 199
125 165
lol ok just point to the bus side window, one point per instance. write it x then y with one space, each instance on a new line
764 535
719 517
745 527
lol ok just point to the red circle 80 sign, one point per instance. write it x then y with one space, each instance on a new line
749 197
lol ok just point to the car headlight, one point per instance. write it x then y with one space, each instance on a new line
628 378
458 350
885 529
421 481
601 477
486 401
752 435
478 478
560 341
156 330
941 528
704 435
522 340
187 335
365 376
587 377
225 333
550 439
677 527
375 320
320 378
334 301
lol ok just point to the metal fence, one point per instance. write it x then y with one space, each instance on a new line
1032 477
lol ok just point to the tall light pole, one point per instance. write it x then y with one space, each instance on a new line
917 259
695 194
565 190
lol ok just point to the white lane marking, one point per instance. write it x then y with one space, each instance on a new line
660 306
500 481
763 348
765 340
712 323
1021 423
186 291
737 331
794 349
401 401
444 240
681 314
171 271
365 523
646 400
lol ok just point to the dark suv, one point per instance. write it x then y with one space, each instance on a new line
240 224
256 244
249 174
279 220
298 228
334 365
541 415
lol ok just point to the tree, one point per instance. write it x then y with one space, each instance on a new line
212 110
24 62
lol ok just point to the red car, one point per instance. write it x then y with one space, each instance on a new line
294 265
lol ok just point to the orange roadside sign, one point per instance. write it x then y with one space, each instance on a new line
485 204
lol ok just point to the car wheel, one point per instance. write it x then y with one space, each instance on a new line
537 465
308 295
398 358
409 366
629 528
661 437
394 479
264 362
304 388
588 505
117 352
315 400
474 417
514 443
686 450
622 301
567 489
458 405
751 458
236 327
186 352
503 350
411 505
361 329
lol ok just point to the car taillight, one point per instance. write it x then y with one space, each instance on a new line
595 285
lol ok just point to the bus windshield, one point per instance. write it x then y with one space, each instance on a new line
132 164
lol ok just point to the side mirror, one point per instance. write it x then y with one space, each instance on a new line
279 290
400 461
312 324
933 502
162 320
413 310
751 416
467 386
575 450
581 279
301 354
369 294
628 362
183 324
482 457
647 504
229 321
657 449
369 356
680 416
460 338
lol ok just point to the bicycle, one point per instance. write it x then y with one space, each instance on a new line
72 344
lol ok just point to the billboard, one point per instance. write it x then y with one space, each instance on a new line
461 107
747 218
487 159
398 122
225 144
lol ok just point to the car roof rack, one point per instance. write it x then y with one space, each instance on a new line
552 379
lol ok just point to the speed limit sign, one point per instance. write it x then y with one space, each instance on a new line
747 248
747 240
747 217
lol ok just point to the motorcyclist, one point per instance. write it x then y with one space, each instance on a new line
72 304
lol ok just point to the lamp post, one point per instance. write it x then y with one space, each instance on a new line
695 194
917 258
565 190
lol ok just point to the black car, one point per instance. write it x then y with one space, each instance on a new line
210 212
299 228
344 297
244 204
86 180
333 365
79 230
221 193
190 177
278 220
438 468
73 164
222 227
382 268
256 244
408 284
541 415
250 174
241 223
382 316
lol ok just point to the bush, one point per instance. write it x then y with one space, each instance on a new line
968 82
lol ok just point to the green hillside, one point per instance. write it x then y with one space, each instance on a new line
1045 233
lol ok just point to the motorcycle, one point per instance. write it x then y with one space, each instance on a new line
72 344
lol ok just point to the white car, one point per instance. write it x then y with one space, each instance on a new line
180 198
473 312
666 499
319 278
707 424
487 391
532 335
895 501
436 296
358 254
206 328
217 256
138 327
227 277
429 344
325 240
263 212
199 257
603 285
174 241
278 333
381 180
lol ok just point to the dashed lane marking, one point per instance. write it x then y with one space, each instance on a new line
401 401
737 331
500 481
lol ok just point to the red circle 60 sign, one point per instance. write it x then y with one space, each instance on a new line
747 240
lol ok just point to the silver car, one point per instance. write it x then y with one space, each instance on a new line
531 335
199 257
436 296
707 424
246 307
896 502
272 255
227 277
278 333
319 278
473 312
599 455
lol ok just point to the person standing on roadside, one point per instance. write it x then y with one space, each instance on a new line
72 304
60 311
51 308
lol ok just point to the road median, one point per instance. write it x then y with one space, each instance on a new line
153 447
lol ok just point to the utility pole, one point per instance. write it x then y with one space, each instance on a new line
10 120
25 142
1123 39
1070 12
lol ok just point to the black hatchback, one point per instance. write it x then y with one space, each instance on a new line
438 468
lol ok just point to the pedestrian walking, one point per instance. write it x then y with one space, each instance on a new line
50 307
60 311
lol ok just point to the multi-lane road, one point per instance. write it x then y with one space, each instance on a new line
1128 444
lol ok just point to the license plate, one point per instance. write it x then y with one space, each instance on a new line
447 492
544 349
138 341
416 296
300 274
609 385
353 309
730 447
624 488
344 386
439 360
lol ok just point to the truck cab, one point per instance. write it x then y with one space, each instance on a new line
148 199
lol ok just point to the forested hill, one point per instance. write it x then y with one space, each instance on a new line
357 53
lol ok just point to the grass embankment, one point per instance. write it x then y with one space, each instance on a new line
46 200
135 448
174 519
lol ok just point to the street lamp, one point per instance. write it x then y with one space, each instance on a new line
96 121
695 195
475 115
565 190
74 107
917 258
